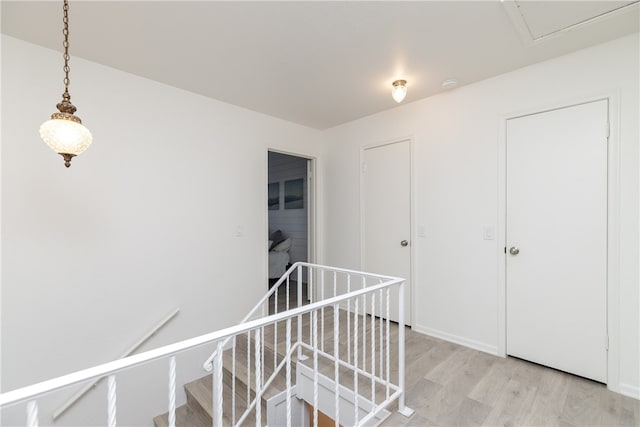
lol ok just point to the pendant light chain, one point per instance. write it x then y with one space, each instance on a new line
64 133
65 44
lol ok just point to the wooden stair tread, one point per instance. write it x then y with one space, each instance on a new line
185 417
200 395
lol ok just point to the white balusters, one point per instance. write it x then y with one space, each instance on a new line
373 349
288 291
381 323
336 356
311 296
275 301
275 334
248 369
288 372
355 358
32 414
364 332
349 319
233 380
172 391
217 386
262 352
111 401
299 305
388 342
315 368
258 356
401 406
322 310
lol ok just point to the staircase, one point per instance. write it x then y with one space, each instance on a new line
198 411
337 352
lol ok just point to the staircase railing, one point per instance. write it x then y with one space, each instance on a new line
359 304
362 297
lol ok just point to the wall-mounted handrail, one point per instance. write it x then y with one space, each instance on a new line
84 390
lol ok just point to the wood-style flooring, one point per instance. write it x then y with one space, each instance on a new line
452 385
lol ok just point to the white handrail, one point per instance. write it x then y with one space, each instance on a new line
208 364
31 392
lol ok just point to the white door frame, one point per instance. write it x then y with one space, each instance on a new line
613 230
312 197
412 216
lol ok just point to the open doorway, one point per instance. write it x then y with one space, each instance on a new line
290 212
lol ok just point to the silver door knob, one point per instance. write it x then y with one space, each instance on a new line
514 250
404 243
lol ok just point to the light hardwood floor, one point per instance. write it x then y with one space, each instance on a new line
452 385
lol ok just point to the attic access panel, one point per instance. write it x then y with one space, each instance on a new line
537 20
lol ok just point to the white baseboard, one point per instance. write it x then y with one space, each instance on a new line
476 345
630 390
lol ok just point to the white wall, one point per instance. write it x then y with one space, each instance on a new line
456 138
292 222
92 256
143 222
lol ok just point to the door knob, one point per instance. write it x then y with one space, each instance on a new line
404 243
514 250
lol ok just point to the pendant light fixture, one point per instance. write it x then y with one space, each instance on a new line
64 133
399 90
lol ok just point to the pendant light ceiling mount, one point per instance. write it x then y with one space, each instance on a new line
399 90
64 133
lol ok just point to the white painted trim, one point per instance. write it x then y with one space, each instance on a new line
613 243
630 390
456 339
412 214
501 237
414 239
312 211
613 227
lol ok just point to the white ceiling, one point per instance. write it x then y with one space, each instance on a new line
319 64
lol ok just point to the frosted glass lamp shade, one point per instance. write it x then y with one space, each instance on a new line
399 90
65 136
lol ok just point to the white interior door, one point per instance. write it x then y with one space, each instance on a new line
556 238
386 213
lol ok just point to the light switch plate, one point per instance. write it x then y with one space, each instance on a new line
488 232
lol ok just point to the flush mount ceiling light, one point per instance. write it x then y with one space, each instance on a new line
64 133
399 90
